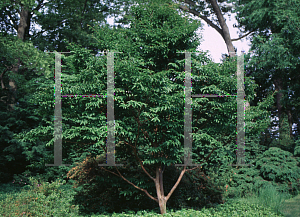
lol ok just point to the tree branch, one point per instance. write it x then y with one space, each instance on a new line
141 189
135 152
206 159
1 78
82 13
177 183
236 39
198 118
203 125
39 6
208 21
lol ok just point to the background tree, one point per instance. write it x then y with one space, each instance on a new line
275 60
23 62
205 10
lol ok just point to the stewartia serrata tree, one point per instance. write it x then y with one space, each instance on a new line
149 105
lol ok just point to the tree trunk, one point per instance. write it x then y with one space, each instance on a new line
225 30
290 119
162 200
279 95
21 35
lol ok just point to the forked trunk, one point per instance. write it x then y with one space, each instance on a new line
162 200
163 206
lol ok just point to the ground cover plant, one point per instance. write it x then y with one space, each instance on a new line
56 199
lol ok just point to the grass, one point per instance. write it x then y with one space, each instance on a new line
291 207
55 199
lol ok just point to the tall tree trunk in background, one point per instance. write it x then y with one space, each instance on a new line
22 27
225 30
279 95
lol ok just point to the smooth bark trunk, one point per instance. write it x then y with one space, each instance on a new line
162 201
161 198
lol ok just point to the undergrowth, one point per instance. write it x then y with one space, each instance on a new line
55 199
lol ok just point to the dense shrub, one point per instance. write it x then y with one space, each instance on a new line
280 167
275 166
38 199
99 190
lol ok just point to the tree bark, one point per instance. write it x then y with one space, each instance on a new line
290 119
162 200
24 16
225 30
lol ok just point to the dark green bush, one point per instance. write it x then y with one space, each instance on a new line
281 167
275 166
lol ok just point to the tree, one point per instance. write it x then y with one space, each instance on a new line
203 10
23 117
58 19
276 47
149 120
24 63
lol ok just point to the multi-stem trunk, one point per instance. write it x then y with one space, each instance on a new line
162 200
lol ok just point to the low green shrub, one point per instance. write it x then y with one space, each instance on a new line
39 199
275 166
55 199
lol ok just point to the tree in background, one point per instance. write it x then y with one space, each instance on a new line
275 60
23 64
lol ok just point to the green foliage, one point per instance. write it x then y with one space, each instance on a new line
270 197
24 117
281 167
56 199
102 191
39 199
297 148
150 118
275 166
275 46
